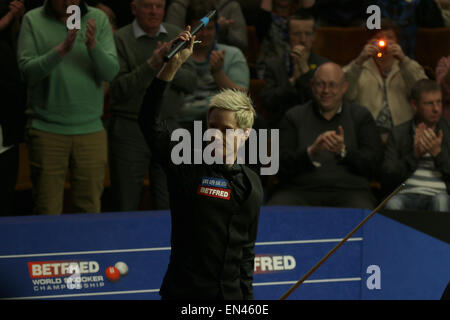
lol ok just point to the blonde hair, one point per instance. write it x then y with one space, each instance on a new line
237 101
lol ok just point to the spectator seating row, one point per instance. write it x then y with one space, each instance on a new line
342 45
337 44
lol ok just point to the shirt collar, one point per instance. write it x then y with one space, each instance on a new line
337 112
138 32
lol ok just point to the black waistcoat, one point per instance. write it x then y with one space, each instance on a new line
213 234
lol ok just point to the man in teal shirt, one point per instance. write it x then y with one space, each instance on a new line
65 70
218 67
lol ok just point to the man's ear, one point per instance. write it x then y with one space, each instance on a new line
246 134
133 7
345 86
413 104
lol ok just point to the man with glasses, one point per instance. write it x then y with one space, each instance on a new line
329 148
287 78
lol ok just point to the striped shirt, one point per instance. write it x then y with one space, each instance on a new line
426 179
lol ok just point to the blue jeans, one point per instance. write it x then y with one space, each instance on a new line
439 203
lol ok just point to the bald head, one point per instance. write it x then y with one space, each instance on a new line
331 70
143 1
329 86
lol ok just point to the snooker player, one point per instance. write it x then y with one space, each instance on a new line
214 207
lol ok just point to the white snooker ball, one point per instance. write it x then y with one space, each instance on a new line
122 267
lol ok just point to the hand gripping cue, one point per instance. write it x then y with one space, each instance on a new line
178 46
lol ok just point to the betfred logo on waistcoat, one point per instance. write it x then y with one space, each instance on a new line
215 188
273 263
214 192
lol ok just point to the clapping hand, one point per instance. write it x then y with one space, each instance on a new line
66 46
426 140
17 8
330 140
91 34
216 60
299 55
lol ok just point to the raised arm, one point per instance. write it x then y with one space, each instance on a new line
133 81
6 20
155 130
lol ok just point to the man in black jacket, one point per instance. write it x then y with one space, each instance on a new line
418 154
329 148
214 208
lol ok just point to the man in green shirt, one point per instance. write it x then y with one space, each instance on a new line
65 70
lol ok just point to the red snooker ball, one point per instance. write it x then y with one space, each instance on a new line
112 274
